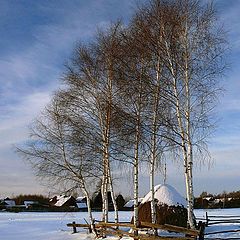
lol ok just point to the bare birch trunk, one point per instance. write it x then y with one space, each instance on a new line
113 196
136 221
154 145
103 202
104 194
136 163
136 153
189 165
152 188
185 137
108 131
104 162
89 210
188 190
153 206
191 218
106 165
106 199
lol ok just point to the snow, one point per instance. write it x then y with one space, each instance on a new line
207 198
201 213
10 203
28 203
79 199
81 205
166 194
81 202
130 203
52 225
37 226
47 225
61 200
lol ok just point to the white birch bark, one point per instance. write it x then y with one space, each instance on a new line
104 190
113 196
184 144
153 206
136 169
136 154
154 143
89 210
108 132
188 131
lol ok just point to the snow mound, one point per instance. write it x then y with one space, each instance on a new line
166 194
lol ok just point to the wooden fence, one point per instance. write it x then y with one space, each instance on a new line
210 220
103 229
213 220
122 229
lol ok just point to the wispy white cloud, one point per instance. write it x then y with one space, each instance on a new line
30 68
13 124
230 19
16 177
28 76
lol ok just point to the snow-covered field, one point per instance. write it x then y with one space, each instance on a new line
52 226
46 225
201 213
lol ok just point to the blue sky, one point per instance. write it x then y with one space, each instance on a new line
37 37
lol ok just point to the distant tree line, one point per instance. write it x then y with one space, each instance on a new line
221 200
41 202
133 96
234 194
19 199
205 200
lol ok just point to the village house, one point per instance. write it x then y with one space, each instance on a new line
7 203
81 203
130 204
28 204
62 201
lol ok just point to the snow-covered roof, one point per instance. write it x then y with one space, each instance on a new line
130 203
208 198
61 199
29 202
166 194
81 205
80 199
10 203
81 202
217 200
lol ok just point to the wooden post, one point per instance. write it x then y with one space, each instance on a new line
201 228
74 227
206 219
90 228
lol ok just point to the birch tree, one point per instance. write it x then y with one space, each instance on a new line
186 48
194 50
109 47
133 100
92 77
130 93
60 153
149 21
